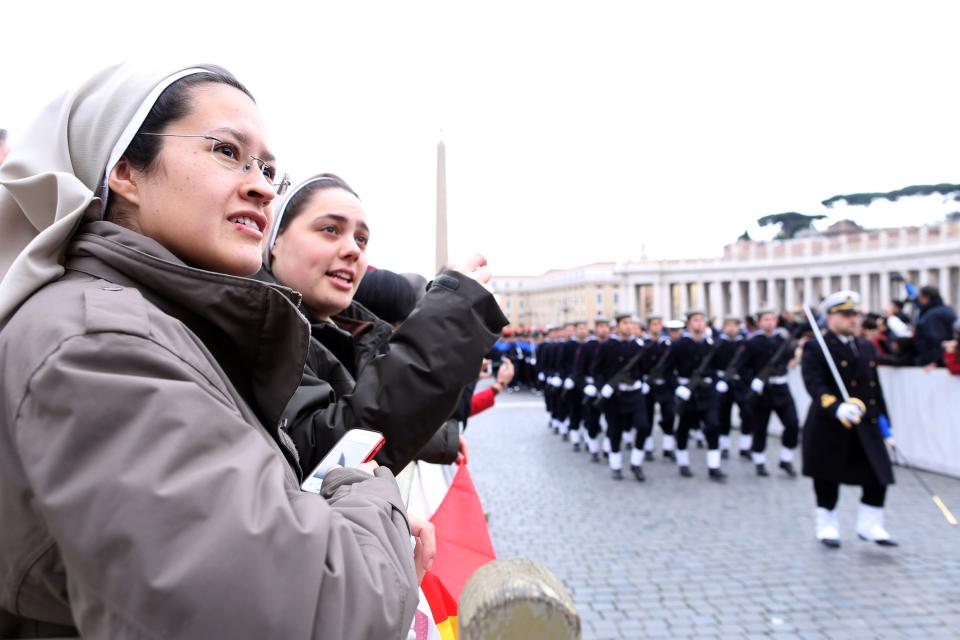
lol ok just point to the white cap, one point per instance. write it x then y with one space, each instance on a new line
840 301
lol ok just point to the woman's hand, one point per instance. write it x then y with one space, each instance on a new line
476 267
426 548
504 374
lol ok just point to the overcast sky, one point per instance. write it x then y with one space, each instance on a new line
575 132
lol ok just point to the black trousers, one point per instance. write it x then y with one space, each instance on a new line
775 398
736 395
662 395
828 493
591 418
700 412
626 410
574 409
551 396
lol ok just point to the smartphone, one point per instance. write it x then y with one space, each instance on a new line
355 447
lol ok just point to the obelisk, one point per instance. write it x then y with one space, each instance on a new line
441 207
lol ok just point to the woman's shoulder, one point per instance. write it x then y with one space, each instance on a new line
79 305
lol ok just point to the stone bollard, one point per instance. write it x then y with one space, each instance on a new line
517 598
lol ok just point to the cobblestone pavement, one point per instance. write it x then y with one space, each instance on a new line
687 558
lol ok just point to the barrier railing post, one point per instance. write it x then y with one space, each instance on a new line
516 599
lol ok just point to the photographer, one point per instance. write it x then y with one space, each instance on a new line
934 327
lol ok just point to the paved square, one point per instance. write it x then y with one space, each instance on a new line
688 558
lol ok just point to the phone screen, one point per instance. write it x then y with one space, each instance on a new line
349 452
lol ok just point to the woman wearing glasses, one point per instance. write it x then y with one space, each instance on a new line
146 489
360 373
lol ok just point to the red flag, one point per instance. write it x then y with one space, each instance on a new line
463 542
442 606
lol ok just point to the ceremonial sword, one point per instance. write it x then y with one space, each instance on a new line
888 438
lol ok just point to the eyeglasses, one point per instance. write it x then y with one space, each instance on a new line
228 154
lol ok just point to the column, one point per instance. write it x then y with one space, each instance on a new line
771 300
865 291
631 300
684 298
808 297
716 299
885 296
736 304
662 300
789 297
752 292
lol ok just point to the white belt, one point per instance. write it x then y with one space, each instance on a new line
777 380
686 381
623 386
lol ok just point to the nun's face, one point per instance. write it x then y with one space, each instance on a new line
322 253
210 216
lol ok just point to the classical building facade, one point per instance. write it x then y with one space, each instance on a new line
750 275
561 295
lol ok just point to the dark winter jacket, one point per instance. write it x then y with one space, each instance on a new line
832 452
934 326
404 384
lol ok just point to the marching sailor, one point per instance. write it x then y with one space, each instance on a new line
572 394
731 386
583 373
661 382
621 391
769 353
692 355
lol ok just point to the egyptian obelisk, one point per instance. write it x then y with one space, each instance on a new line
441 207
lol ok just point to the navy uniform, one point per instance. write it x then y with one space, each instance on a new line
549 360
572 394
661 381
843 442
624 409
771 396
583 374
700 402
733 389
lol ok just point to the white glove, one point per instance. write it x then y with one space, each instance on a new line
683 393
590 391
757 385
555 381
722 386
849 414
568 384
541 377
606 391
644 388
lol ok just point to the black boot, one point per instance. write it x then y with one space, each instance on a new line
717 475
564 437
595 457
670 455
725 454
617 474
745 454
637 472
762 471
648 456
788 468
576 446
685 472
